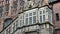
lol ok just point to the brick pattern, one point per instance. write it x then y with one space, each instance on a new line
56 9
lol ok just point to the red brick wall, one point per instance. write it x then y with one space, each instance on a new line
56 9
57 32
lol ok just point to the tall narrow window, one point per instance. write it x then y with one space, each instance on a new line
16 24
14 27
21 20
40 12
26 18
15 4
0 15
34 13
7 32
34 19
1 9
43 18
57 16
40 18
7 7
30 20
21 2
42 15
26 21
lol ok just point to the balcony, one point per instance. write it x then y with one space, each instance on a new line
36 16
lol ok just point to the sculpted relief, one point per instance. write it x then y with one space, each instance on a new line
28 4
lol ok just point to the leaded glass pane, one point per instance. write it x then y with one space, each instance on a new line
40 18
34 19
26 21
30 20
43 18
34 13
40 12
30 14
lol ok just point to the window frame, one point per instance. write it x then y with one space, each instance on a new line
28 12
57 17
42 14
21 19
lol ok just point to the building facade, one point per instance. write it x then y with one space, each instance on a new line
27 17
56 13
34 21
34 17
1 9
7 11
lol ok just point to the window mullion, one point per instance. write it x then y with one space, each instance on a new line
32 17
28 18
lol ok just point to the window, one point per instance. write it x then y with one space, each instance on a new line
26 21
43 11
30 17
30 14
7 32
40 12
43 18
30 20
42 15
26 18
0 15
14 27
34 19
40 18
21 20
57 16
34 13
16 23
42 1
22 2
1 9
49 18
26 15
7 7
15 5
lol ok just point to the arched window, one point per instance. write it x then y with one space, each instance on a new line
7 22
